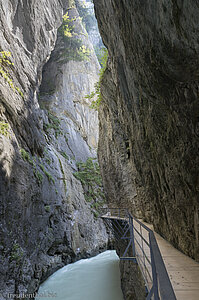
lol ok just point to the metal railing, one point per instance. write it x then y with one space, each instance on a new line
145 252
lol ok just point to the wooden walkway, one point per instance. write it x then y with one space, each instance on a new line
182 270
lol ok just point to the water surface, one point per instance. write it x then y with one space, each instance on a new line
96 278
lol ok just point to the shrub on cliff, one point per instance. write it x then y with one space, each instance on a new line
74 48
96 94
89 175
5 65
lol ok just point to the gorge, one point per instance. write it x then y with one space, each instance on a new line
46 128
148 118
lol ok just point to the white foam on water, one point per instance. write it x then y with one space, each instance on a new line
96 278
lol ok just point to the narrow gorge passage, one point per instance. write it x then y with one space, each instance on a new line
50 184
98 108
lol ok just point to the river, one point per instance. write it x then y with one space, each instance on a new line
96 278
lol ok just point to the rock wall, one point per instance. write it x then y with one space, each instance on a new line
65 84
149 114
44 219
93 30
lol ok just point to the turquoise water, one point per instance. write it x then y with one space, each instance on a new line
96 278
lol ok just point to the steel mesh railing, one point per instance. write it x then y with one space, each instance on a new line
146 251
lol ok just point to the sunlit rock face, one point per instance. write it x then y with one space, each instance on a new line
149 114
92 27
71 81
44 219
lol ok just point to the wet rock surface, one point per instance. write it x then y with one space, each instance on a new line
149 114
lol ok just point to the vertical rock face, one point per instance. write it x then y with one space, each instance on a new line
65 84
92 25
30 43
45 221
150 112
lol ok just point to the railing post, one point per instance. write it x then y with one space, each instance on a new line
132 234
143 252
154 273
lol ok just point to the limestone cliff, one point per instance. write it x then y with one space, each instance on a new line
45 221
149 115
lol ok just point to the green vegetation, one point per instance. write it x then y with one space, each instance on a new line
19 91
97 88
66 138
89 172
16 253
89 175
47 158
76 51
100 51
26 156
39 176
96 213
64 179
74 48
4 129
47 208
88 19
49 176
42 167
48 161
64 155
54 123
6 64
67 28
83 53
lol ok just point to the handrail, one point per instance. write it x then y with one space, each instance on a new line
152 264
166 289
